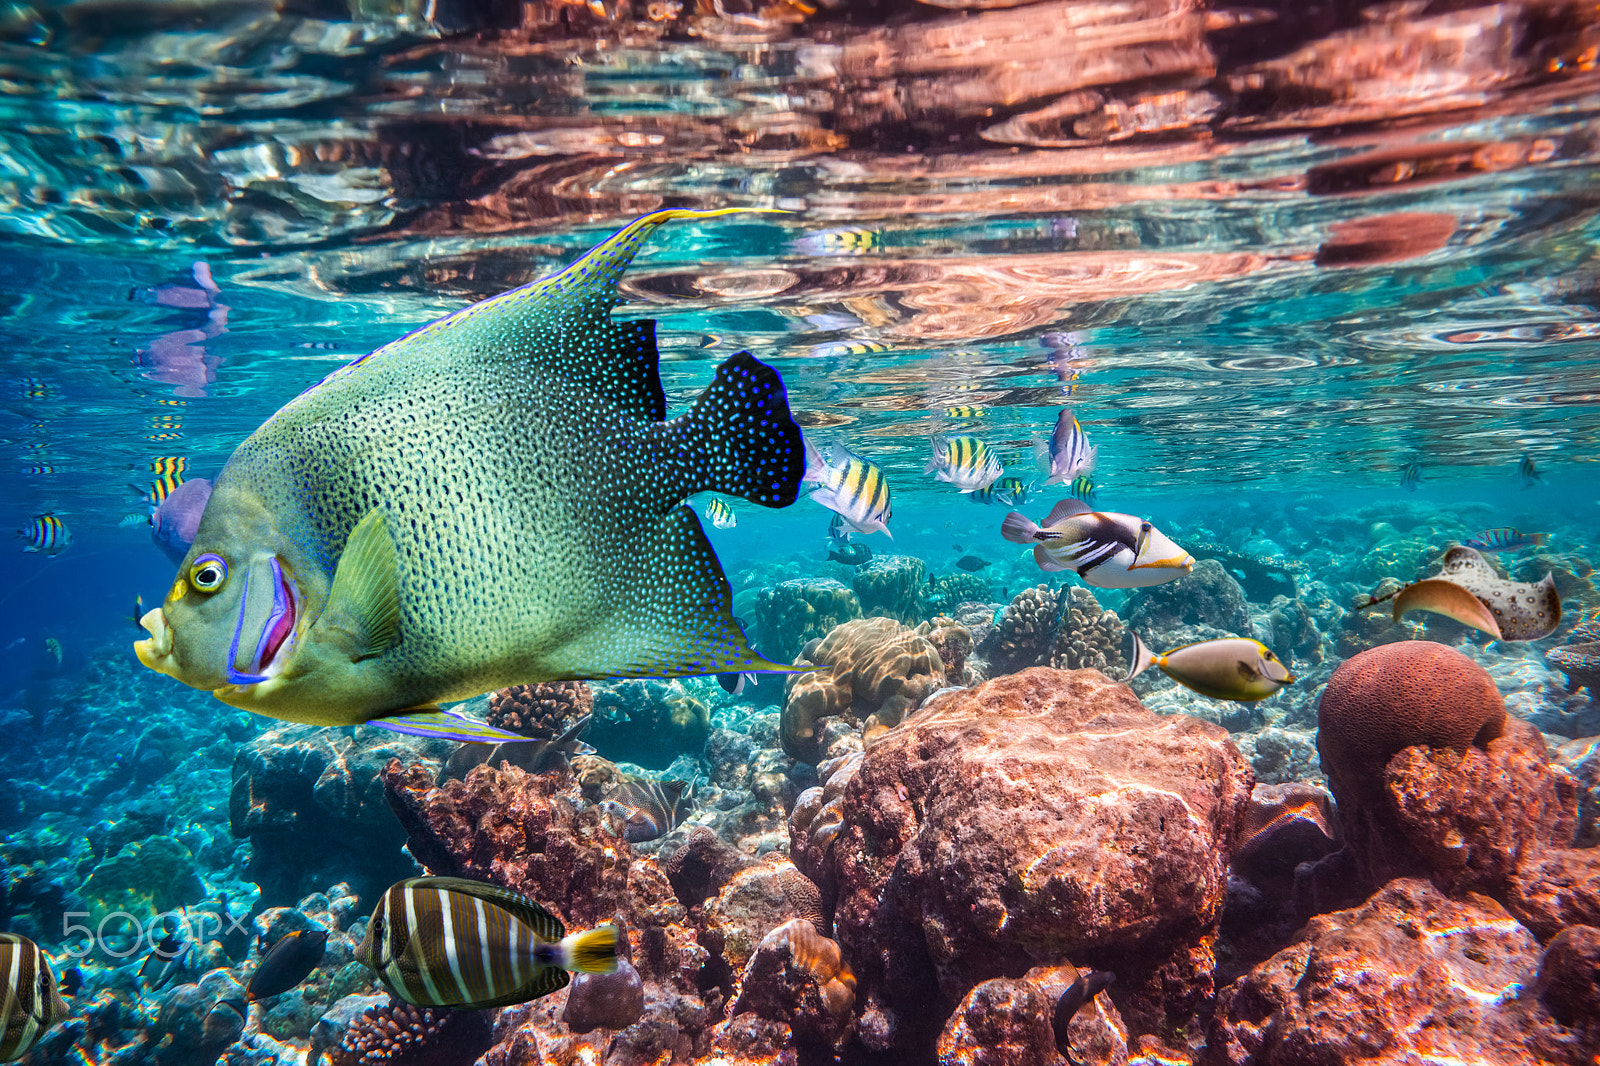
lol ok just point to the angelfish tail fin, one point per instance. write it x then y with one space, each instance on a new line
592 951
738 438
1142 659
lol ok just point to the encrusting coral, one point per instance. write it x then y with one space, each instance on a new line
792 612
891 586
878 671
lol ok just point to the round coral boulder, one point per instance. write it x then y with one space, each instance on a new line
1397 695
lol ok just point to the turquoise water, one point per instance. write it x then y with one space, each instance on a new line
1261 315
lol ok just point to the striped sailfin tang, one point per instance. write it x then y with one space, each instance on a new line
31 1004
449 942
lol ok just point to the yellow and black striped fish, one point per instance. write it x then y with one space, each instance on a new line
965 462
169 471
850 487
837 348
964 412
450 942
32 1003
1011 491
45 533
845 240
719 514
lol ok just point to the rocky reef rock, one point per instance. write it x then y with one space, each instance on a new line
1006 1021
815 822
878 671
954 643
798 977
1580 759
1040 816
310 800
604 1000
529 834
793 612
1408 976
891 586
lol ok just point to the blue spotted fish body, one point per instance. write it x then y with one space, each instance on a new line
450 942
45 534
493 499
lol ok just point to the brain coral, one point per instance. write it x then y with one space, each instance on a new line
1393 696
880 672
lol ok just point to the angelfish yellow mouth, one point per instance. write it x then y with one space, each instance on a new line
156 651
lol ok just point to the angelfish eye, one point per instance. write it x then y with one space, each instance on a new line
208 573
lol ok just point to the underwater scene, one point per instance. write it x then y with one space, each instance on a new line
732 532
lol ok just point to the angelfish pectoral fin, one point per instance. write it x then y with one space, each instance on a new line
442 725
364 601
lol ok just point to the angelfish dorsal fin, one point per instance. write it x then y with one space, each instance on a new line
562 325
365 597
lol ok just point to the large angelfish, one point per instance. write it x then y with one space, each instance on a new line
493 499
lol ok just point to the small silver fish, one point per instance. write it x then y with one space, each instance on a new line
1527 471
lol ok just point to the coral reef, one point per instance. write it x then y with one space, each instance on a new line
1396 695
877 672
543 711
1065 628
954 643
793 612
1207 603
891 586
946 592
648 723
1088 637
1105 836
1436 983
753 901
310 801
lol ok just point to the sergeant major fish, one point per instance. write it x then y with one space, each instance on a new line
965 462
720 514
850 487
1011 491
45 534
1233 668
1107 550
450 942
490 500
29 1000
